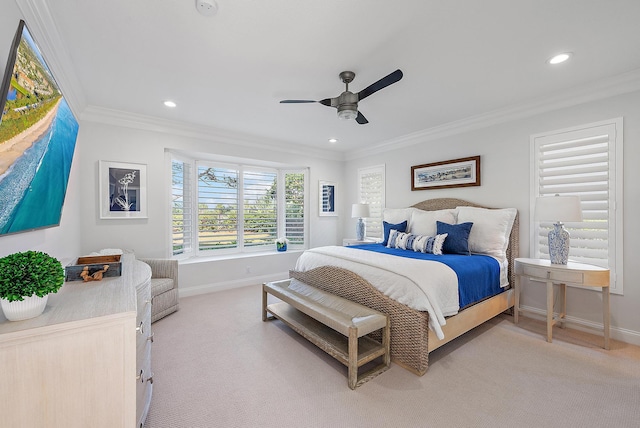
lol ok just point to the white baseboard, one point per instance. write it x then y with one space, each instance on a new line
227 285
617 333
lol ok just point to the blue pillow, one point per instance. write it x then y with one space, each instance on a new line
457 241
400 227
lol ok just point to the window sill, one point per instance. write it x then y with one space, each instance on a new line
234 256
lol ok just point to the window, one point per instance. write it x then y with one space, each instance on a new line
227 208
587 162
371 183
181 207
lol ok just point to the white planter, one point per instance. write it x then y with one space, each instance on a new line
20 310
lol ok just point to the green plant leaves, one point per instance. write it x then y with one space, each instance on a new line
27 273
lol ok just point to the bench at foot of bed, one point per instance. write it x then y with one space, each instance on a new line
334 324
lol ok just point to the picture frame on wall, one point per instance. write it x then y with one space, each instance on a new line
327 198
123 190
463 172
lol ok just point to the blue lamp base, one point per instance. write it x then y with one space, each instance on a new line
360 228
559 244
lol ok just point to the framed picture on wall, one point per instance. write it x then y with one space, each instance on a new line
461 172
327 202
123 190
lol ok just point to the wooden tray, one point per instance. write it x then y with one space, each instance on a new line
95 263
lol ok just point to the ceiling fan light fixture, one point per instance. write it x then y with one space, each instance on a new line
347 112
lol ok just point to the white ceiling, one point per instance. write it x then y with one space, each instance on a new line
460 58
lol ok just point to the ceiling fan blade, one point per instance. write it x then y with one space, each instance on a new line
361 119
297 101
327 102
380 84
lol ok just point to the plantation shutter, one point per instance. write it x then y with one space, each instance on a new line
260 208
217 208
371 185
181 212
582 162
294 208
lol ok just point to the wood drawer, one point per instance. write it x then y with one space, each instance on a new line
144 383
554 275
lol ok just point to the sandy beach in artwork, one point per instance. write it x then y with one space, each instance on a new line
13 148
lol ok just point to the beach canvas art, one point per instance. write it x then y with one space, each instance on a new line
37 139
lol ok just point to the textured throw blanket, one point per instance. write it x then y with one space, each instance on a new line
423 285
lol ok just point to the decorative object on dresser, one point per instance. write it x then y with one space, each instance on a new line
463 172
360 211
92 265
558 208
419 328
86 361
164 287
26 280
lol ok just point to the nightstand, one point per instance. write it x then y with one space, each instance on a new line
348 242
542 271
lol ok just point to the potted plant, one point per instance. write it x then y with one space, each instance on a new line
281 244
26 279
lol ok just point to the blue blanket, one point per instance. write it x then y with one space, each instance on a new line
478 275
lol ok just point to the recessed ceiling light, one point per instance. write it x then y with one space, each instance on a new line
169 103
333 140
557 59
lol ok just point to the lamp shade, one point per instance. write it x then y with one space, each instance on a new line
360 210
558 208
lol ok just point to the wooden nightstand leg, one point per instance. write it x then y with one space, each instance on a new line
549 310
516 301
606 315
563 297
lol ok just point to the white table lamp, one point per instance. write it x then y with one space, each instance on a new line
359 211
558 208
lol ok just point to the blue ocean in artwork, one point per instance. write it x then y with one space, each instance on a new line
32 191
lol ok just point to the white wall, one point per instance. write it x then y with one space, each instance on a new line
505 165
62 242
505 182
150 237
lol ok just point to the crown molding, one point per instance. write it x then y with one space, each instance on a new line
148 123
42 27
605 88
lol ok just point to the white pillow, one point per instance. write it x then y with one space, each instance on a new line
424 222
491 229
398 215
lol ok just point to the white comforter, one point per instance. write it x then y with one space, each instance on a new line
423 285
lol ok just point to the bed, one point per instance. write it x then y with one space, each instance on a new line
411 338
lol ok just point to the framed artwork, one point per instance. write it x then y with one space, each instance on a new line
123 190
461 172
327 202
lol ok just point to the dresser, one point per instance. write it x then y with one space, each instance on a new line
86 361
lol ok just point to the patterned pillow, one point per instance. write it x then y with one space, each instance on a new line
419 243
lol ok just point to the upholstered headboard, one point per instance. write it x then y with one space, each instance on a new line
513 250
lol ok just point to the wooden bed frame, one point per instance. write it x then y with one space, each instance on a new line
411 338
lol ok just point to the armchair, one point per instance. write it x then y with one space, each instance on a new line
164 287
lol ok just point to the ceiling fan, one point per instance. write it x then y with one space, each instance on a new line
347 102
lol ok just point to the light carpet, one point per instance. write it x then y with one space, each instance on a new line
216 364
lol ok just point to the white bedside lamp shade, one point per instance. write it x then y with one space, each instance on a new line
359 211
558 209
